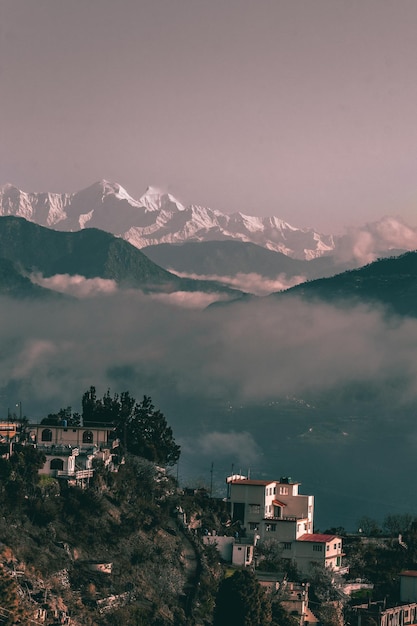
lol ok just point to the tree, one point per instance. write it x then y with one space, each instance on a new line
397 524
240 601
272 560
368 526
97 411
144 432
63 415
142 429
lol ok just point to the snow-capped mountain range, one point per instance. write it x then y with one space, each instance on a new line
157 217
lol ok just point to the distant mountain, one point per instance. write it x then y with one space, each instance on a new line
391 282
157 217
228 258
90 253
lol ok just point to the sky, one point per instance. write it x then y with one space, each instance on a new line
300 109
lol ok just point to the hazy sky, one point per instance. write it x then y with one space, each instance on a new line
305 109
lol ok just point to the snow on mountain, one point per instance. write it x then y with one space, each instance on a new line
43 208
158 217
155 199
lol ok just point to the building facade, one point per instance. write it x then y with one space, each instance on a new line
70 450
271 508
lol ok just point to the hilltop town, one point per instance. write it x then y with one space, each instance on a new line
95 530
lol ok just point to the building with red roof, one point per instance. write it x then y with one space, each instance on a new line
274 509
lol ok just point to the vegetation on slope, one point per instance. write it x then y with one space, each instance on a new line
91 253
389 282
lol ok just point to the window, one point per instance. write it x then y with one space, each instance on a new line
46 435
275 490
334 546
87 436
339 545
283 491
271 528
253 526
286 545
338 561
327 548
57 464
317 547
255 509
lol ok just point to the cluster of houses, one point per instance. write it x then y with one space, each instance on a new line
264 509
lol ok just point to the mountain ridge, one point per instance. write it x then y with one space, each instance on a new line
91 253
157 217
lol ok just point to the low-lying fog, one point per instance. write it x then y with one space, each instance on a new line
321 394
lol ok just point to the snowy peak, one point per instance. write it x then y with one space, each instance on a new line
103 189
155 199
158 217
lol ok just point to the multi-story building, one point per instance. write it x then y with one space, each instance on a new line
271 508
276 510
70 450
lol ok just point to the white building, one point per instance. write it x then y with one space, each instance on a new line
271 508
276 510
314 549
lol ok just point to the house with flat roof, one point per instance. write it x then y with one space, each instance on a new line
70 450
274 509
270 508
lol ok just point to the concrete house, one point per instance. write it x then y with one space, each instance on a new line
317 549
270 508
70 450
276 510
408 586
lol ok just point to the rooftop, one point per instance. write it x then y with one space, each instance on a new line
317 537
249 481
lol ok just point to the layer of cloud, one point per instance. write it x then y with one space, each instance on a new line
82 287
366 243
189 299
250 283
247 352
76 285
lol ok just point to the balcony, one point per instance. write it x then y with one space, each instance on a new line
77 474
285 518
58 450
